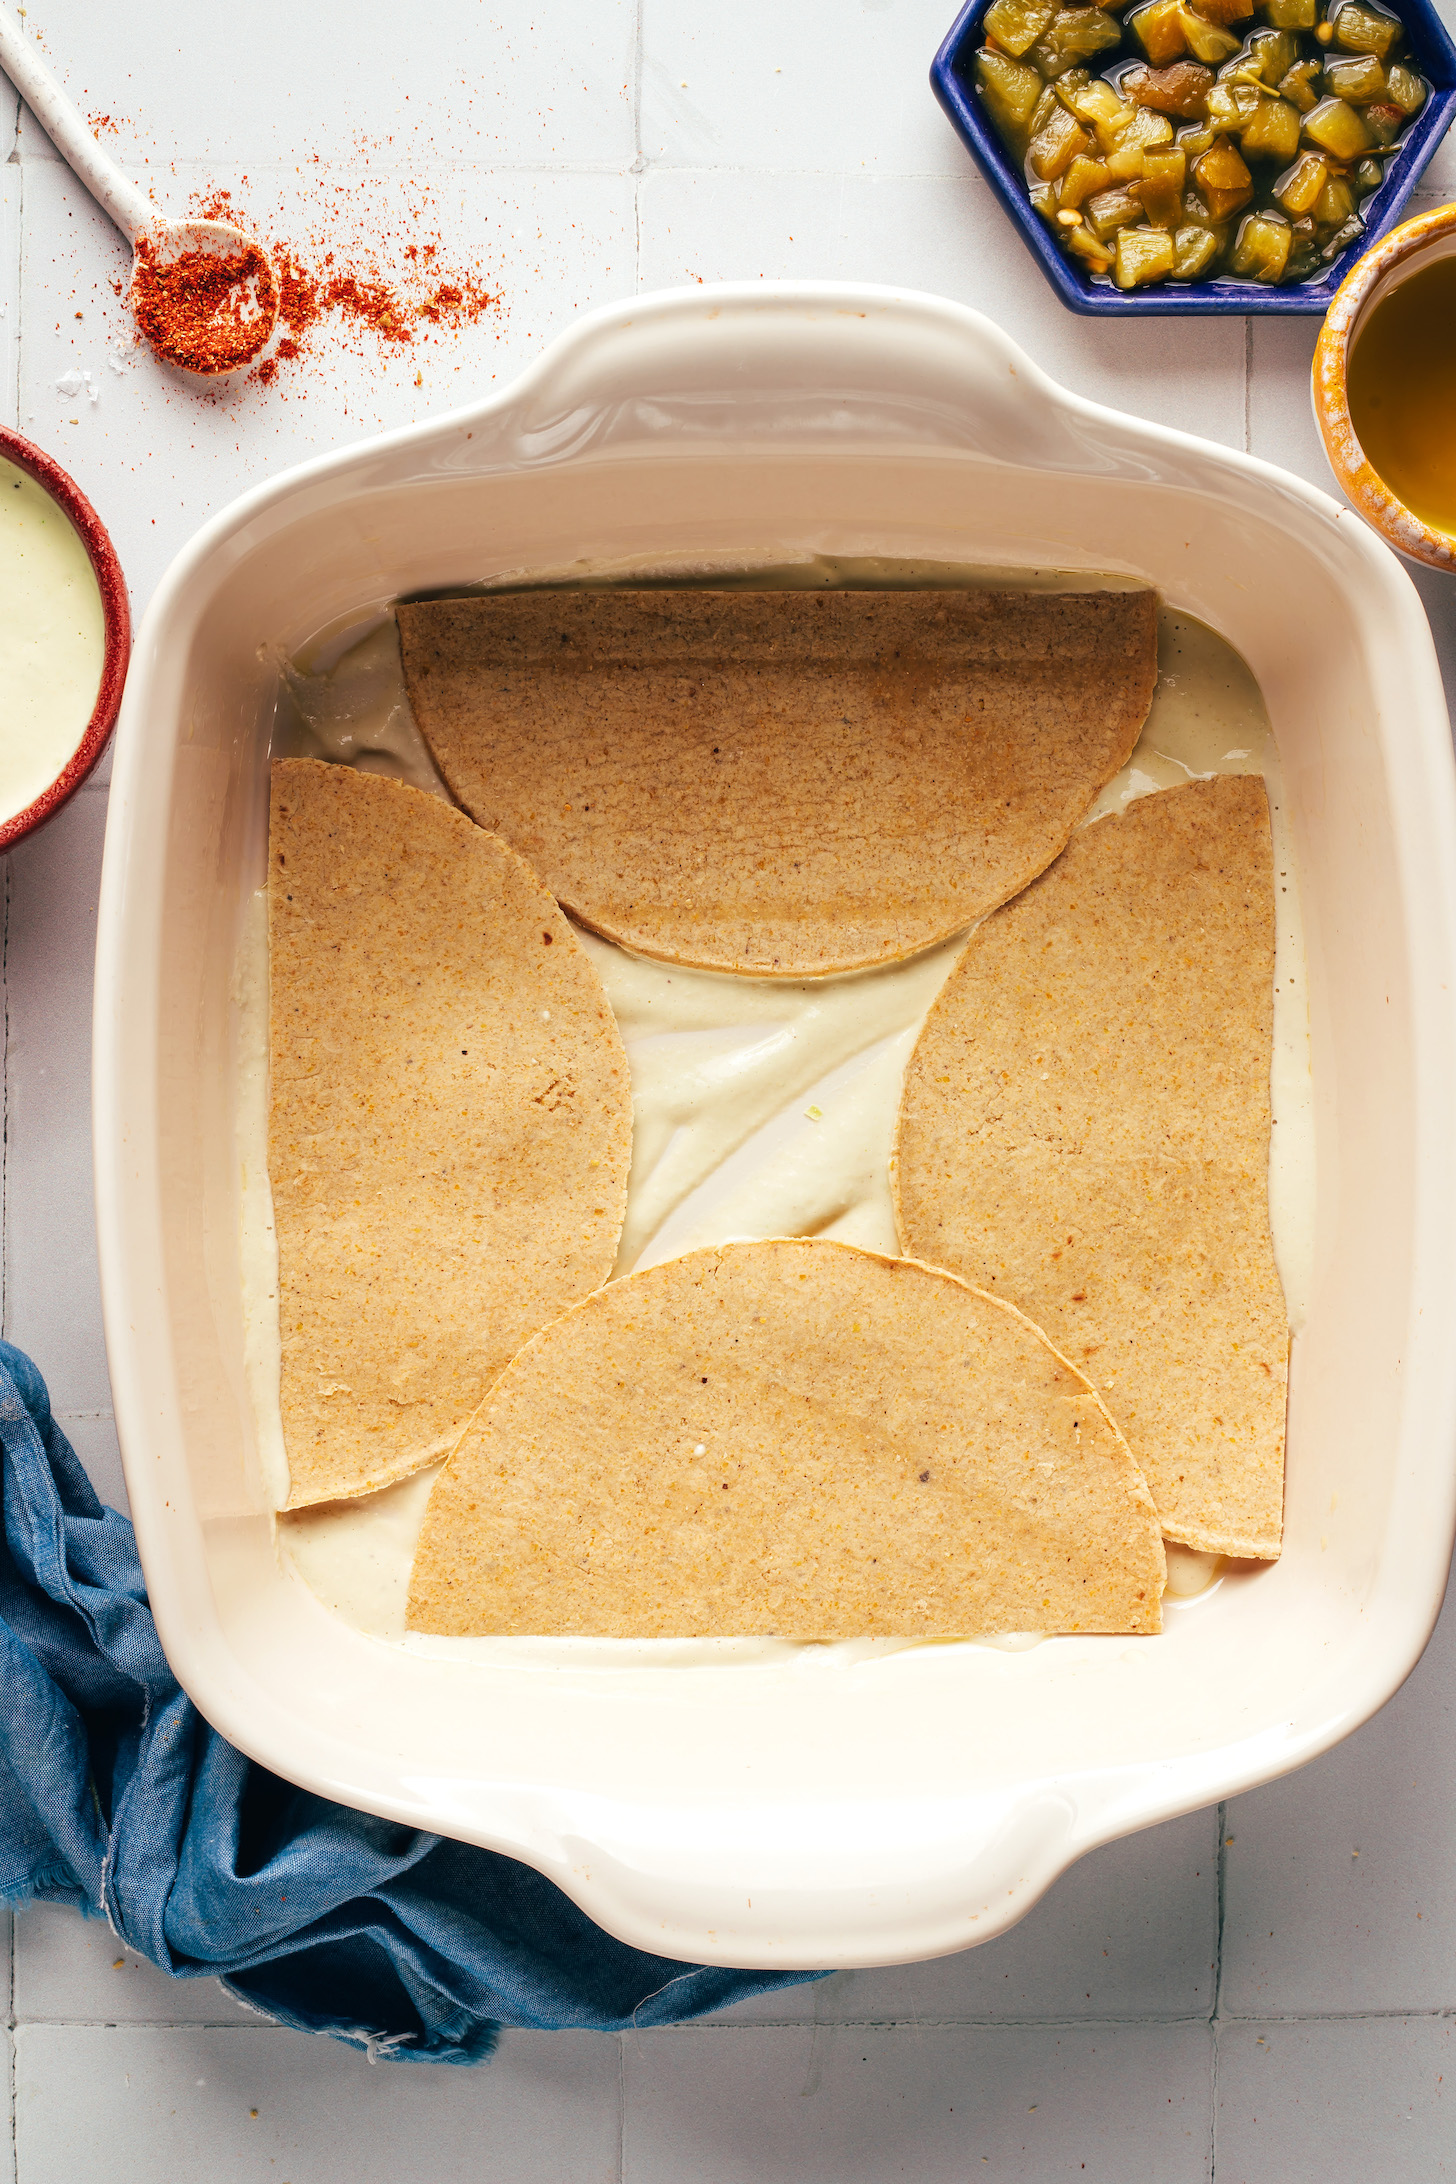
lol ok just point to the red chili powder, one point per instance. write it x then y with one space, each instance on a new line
202 312
424 301
366 299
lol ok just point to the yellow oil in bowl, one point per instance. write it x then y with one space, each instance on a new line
1402 392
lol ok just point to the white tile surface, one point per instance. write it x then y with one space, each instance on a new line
1281 419
7 2111
1340 1881
10 188
1118 2104
141 2106
52 1291
1372 2102
1130 1932
92 1434
487 86
70 1969
946 234
832 85
1439 179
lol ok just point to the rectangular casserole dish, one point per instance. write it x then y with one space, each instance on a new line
914 1805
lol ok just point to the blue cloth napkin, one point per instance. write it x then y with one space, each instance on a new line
117 1797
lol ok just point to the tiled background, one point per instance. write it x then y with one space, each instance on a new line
1265 1993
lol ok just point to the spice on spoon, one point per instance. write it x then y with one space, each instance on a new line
201 311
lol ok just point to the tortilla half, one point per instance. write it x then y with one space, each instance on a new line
450 1125
793 1438
1085 1130
781 783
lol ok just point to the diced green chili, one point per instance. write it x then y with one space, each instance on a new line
1017 24
1336 128
1362 29
1143 255
1191 155
1261 251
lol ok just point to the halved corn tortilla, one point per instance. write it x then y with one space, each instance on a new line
791 1438
450 1125
1085 1131
781 783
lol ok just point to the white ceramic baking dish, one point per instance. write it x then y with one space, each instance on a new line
910 1807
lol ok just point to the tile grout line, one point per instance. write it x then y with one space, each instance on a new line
10 2059
1437 2013
1221 1907
1434 2013
1213 2102
142 170
638 162
877 176
1215 2013
789 2025
5 1284
1442 2014
1214 2024
5 1131
1248 395
913 2025
10 344
607 167
912 2022
12 2023
621 2107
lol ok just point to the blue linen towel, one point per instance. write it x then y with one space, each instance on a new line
117 1797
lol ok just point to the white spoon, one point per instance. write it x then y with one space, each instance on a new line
203 292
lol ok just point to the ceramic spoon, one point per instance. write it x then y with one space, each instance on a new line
172 313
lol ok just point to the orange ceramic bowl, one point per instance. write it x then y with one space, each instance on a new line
1415 242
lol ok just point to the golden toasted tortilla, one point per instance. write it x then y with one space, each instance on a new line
1085 1130
450 1127
799 1439
781 783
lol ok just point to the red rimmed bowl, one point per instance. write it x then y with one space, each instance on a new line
116 623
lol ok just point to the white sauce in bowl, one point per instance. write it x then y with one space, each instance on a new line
761 1109
52 640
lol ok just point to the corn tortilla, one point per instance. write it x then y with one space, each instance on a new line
782 784
792 1438
450 1123
1085 1130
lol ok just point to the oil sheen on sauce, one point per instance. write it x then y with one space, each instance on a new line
760 1108
52 640
1402 392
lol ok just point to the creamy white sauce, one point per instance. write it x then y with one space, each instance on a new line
52 640
760 1109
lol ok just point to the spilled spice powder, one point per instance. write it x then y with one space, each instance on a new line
328 285
201 311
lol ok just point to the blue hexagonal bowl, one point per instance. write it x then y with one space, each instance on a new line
952 79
